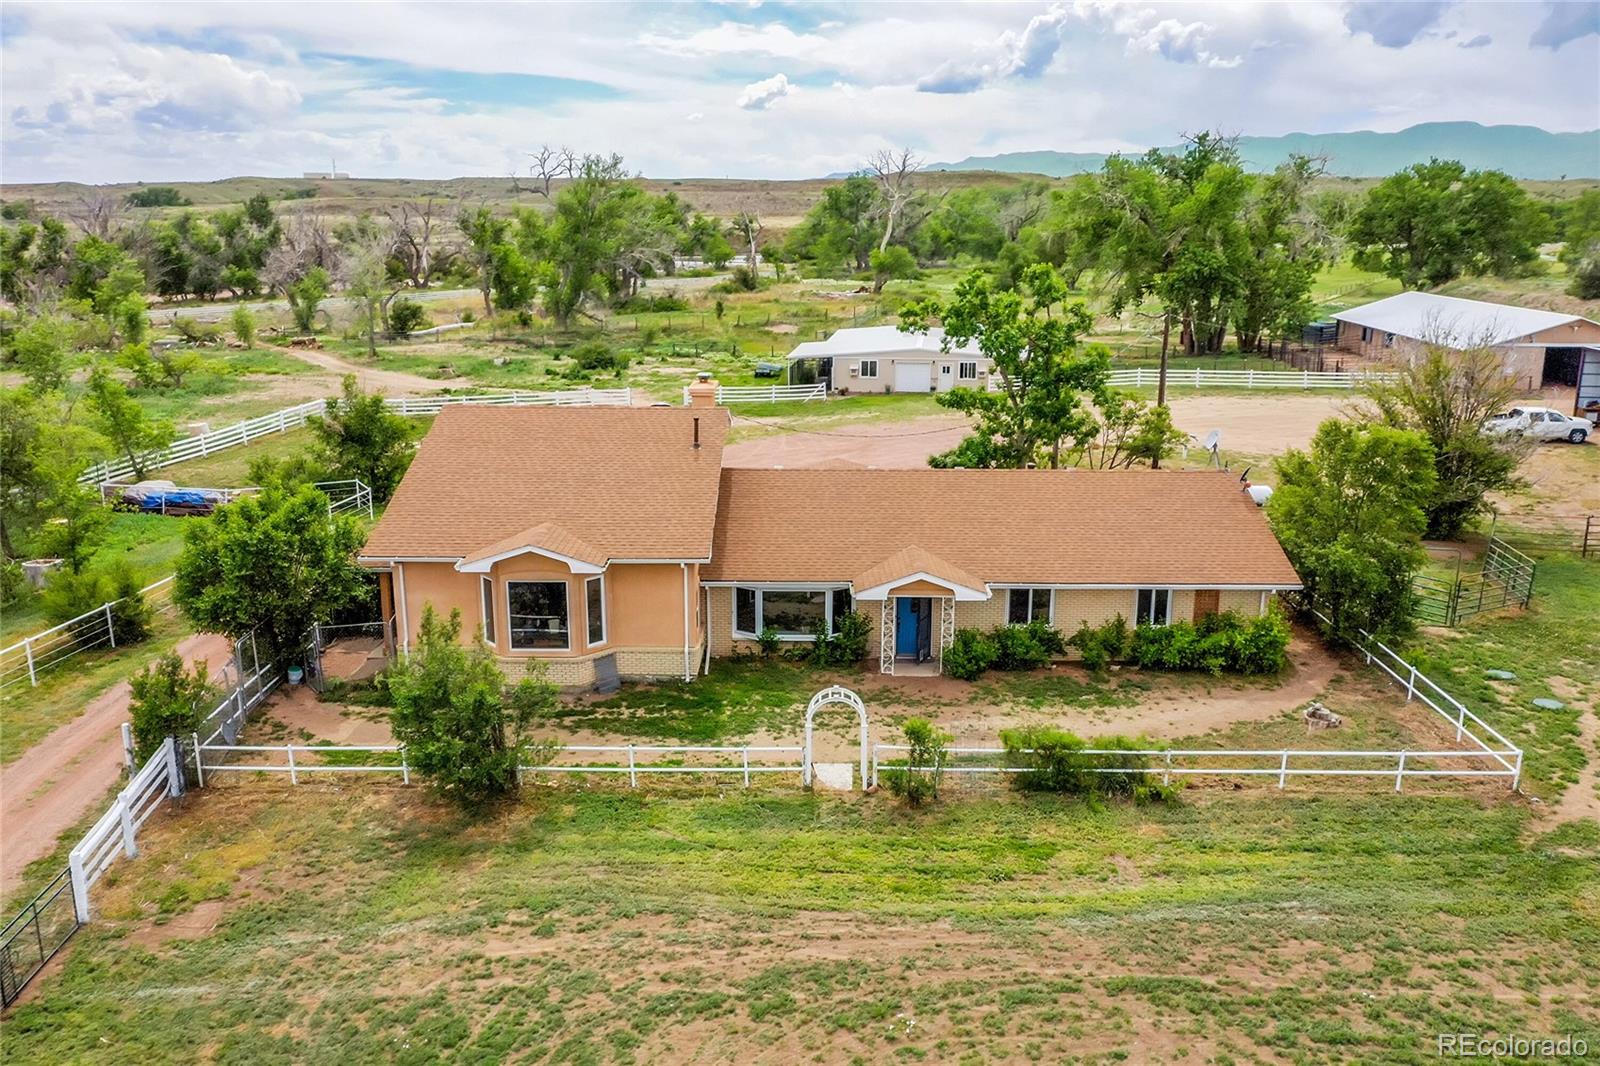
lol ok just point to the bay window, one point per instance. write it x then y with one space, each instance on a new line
793 613
536 615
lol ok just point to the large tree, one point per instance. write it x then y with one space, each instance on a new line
359 437
1436 221
1044 377
118 416
1349 515
273 564
1446 396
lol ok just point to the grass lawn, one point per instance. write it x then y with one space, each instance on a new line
230 467
371 924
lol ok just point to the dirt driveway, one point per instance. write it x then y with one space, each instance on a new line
1264 424
56 782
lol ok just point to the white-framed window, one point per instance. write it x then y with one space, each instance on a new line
1152 607
869 368
486 606
793 613
594 601
536 615
968 371
1388 340
1027 605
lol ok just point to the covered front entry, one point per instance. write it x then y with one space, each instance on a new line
913 629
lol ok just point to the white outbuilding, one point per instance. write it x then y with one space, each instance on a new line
884 359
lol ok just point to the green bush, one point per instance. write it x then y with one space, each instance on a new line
1219 643
1100 645
195 331
1019 647
927 750
68 595
644 304
168 701
596 355
244 326
1058 761
13 583
846 645
969 655
407 316
768 641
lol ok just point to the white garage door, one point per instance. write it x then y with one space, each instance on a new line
913 377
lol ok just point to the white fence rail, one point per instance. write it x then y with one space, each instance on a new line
117 831
633 760
288 418
766 393
1140 377
31 656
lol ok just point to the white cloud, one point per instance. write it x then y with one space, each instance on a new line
1391 24
758 96
1566 21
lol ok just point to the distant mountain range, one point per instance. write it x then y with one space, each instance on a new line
1521 151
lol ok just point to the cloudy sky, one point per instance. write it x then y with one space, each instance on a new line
141 91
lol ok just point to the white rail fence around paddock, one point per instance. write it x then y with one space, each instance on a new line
1167 763
288 418
1140 377
31 656
634 760
727 394
117 831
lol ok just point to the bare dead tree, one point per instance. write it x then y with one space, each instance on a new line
747 226
306 242
551 165
895 173
99 213
415 228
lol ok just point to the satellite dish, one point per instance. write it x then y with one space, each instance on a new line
1213 439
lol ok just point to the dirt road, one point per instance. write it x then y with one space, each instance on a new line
64 776
371 379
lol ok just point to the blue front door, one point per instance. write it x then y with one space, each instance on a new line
905 625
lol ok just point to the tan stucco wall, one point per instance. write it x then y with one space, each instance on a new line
644 613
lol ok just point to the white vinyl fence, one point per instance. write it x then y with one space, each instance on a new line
633 760
1501 758
288 418
1140 377
727 394
117 831
31 656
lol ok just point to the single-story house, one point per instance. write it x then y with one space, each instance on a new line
1537 347
569 535
885 359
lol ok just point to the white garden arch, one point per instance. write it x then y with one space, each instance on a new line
830 695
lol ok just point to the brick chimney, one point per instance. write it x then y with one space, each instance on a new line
703 393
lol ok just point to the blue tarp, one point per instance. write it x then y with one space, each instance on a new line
158 501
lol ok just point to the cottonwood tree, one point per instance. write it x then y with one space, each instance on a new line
484 231
366 279
118 416
549 166
271 563
748 227
414 228
99 214
1127 430
1045 380
1446 396
358 436
1436 221
895 173
305 295
460 727
840 229
1349 515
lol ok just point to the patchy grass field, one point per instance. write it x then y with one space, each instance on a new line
373 925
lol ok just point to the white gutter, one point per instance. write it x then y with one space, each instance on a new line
405 627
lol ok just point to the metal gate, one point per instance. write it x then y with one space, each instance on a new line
1505 579
33 937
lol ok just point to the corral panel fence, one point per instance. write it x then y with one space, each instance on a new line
1577 534
32 656
1504 579
240 433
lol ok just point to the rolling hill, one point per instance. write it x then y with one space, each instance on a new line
1521 151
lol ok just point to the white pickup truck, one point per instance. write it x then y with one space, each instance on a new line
1539 423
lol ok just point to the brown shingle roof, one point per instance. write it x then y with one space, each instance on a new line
546 536
625 481
1058 527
